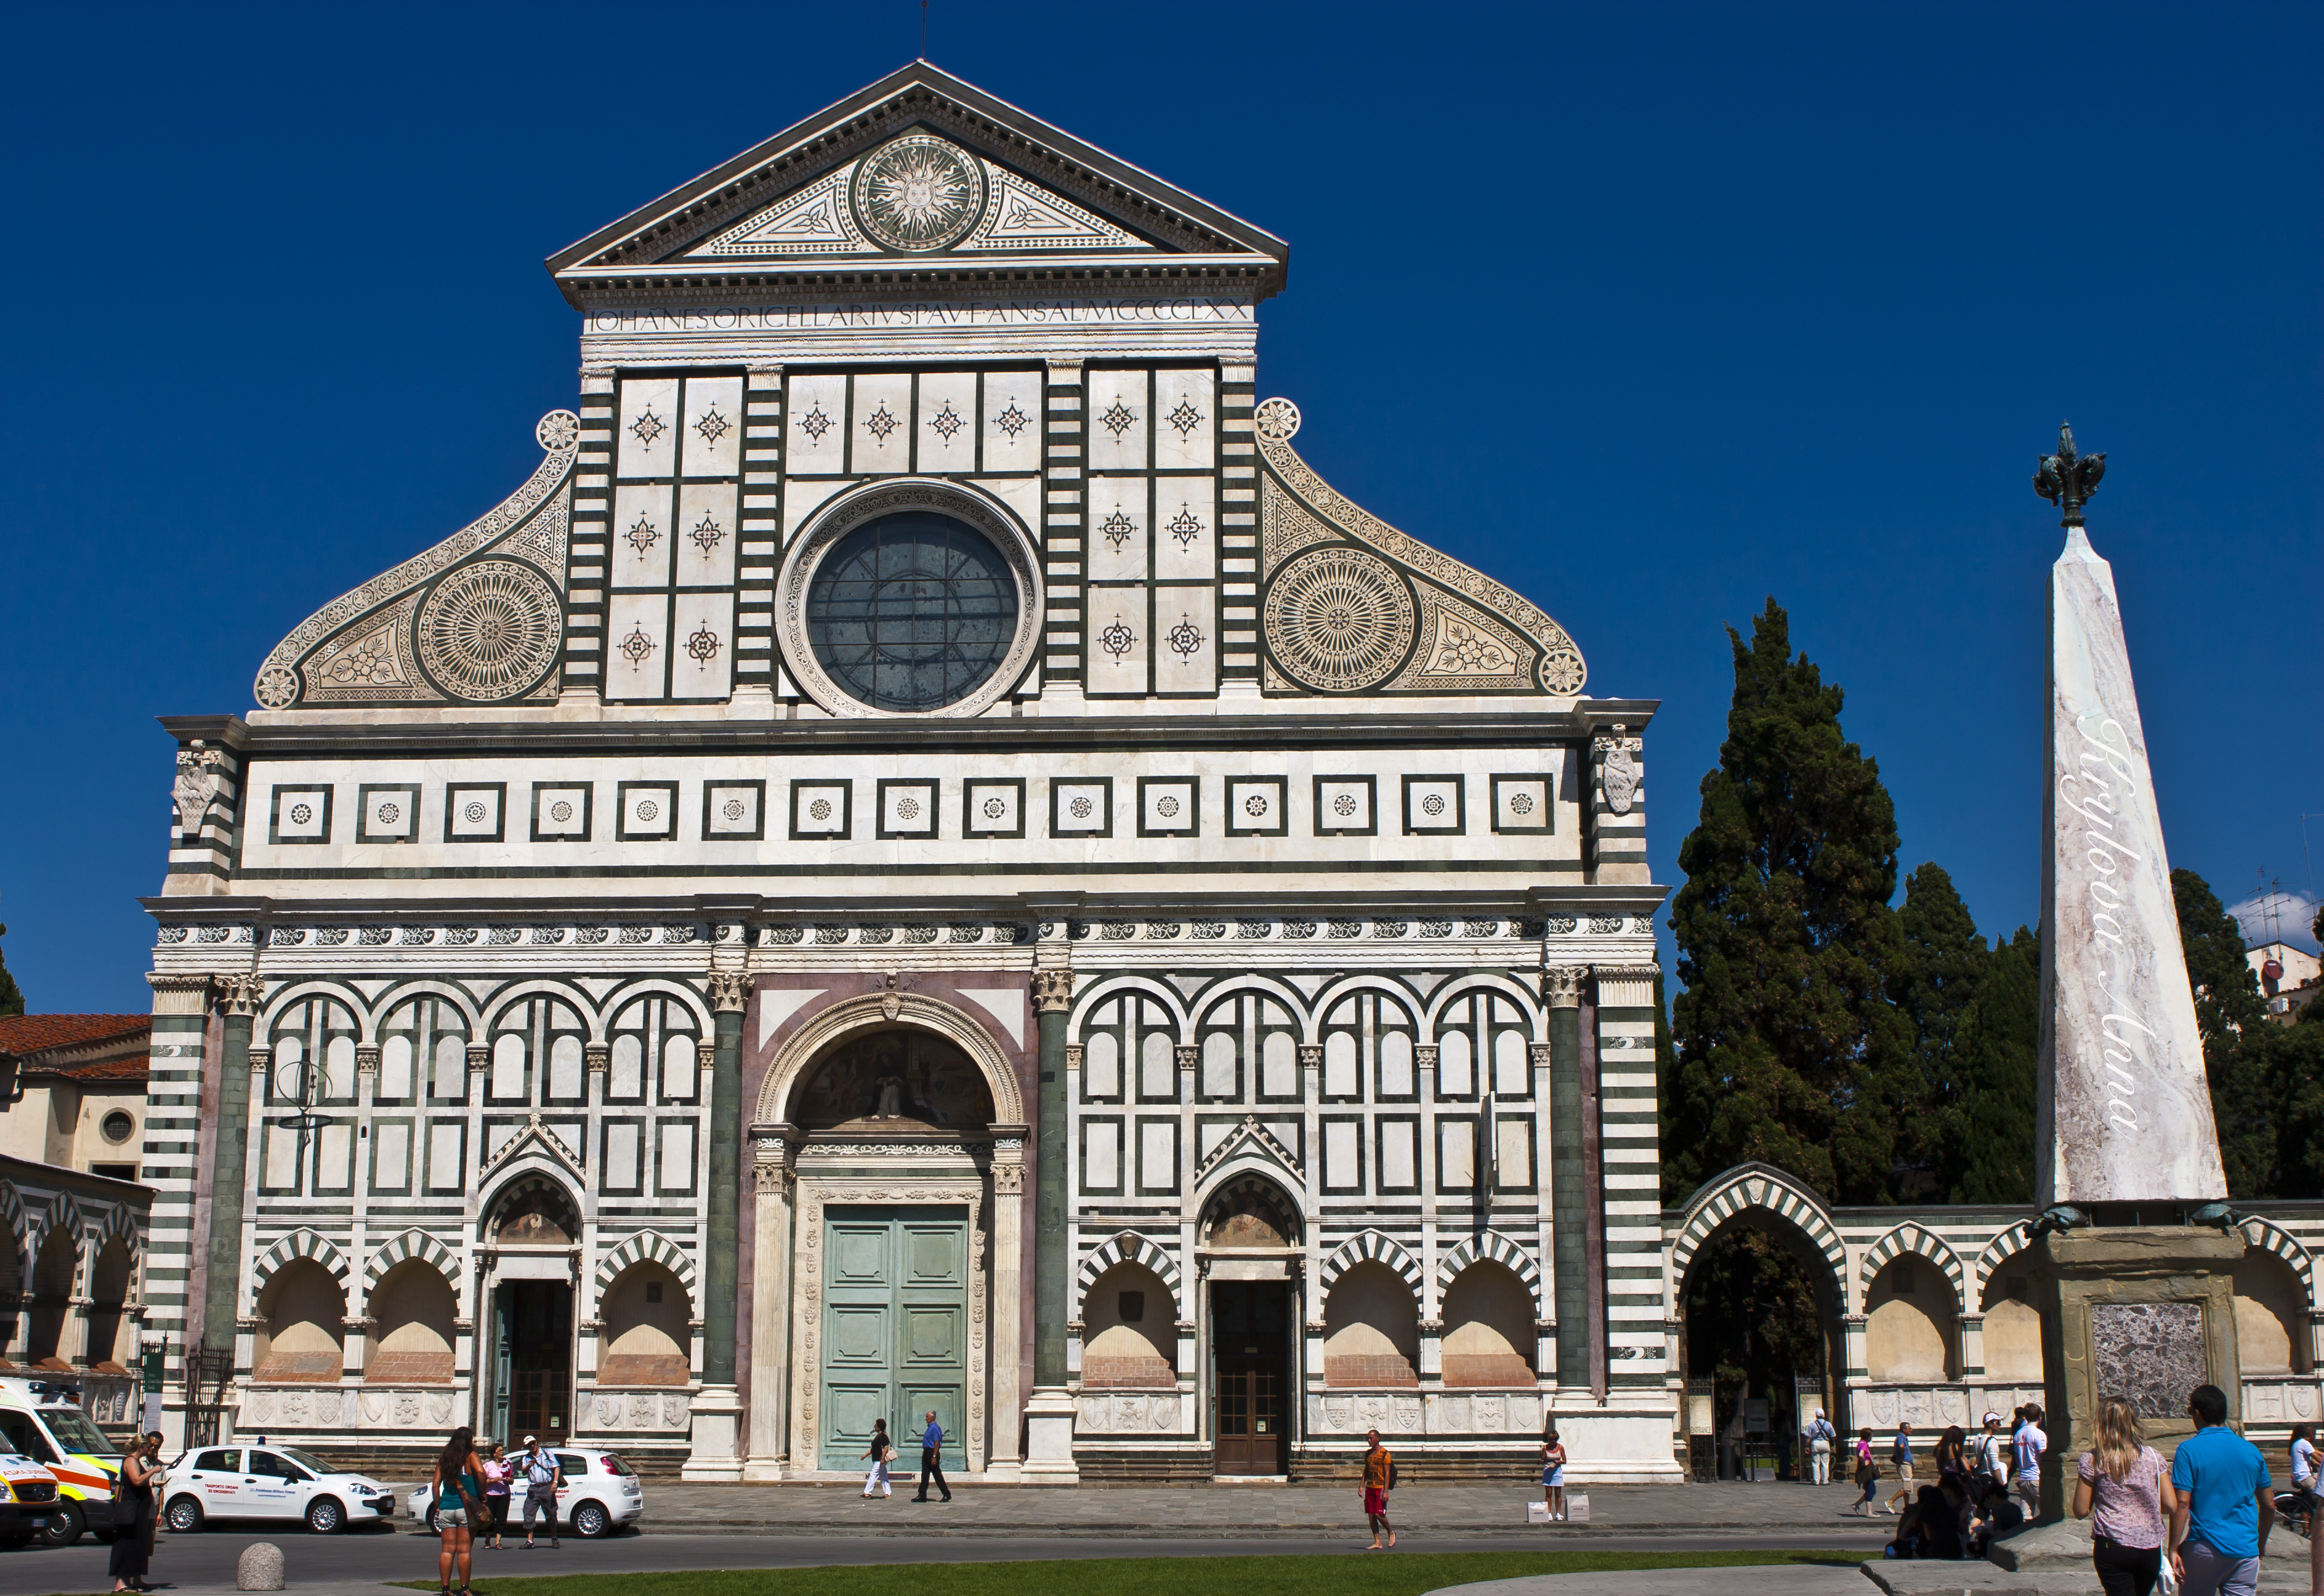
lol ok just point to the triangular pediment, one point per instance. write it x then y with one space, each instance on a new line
917 178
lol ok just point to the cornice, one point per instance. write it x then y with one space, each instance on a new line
1382 727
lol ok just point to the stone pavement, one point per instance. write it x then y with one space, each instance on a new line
1794 1580
1805 1515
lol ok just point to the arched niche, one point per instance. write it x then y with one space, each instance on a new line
415 1336
1129 1332
53 1269
1909 1324
1488 1328
535 1211
110 1279
1250 1214
2270 1316
298 1337
893 1076
2013 1327
646 1339
1372 1329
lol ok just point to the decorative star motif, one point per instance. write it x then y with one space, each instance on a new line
1185 418
1119 419
815 424
703 645
642 536
1185 637
708 535
1117 528
1012 420
1117 639
648 428
637 648
947 422
1185 528
879 423
713 426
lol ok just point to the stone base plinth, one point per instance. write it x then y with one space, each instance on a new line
717 1415
2144 1312
1049 1439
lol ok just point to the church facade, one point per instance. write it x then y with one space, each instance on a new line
924 858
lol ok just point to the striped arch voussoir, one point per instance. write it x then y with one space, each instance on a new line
1371 1247
1767 1188
64 1214
2271 1237
1128 1247
120 1221
2003 1247
1910 1237
1492 1247
646 1247
293 1247
417 1244
12 1214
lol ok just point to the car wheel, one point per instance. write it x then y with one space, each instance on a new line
432 1526
325 1515
591 1520
63 1528
184 1516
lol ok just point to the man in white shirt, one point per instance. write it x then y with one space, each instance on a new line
1820 1436
1993 1452
2028 1447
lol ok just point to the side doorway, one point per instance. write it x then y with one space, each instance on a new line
1250 1376
532 1360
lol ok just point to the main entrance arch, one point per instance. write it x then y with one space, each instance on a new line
1747 1225
890 1133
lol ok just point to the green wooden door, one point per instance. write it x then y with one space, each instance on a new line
895 1330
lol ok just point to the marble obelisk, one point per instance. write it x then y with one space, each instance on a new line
2125 1111
2134 1255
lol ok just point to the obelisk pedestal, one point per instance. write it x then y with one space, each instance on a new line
2131 1262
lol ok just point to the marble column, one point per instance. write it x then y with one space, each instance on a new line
717 1408
2123 1113
1049 1414
1006 1456
773 1212
239 996
1561 990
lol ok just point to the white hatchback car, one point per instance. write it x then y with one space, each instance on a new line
239 1483
601 1494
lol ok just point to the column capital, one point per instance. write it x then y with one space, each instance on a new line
1560 985
366 1058
596 1057
730 991
1052 991
479 1056
1311 1055
260 1055
705 1055
241 996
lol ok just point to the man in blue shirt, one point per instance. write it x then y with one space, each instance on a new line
2218 1531
932 1459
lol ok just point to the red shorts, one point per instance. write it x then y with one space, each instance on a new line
1375 1501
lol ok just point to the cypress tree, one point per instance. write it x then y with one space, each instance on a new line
1992 1155
2229 1011
12 1000
1939 973
1787 1048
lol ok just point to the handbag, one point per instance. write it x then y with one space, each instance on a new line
126 1512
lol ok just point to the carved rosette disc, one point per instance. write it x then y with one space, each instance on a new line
491 631
1339 620
1275 420
918 193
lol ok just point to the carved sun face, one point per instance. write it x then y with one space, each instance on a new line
918 193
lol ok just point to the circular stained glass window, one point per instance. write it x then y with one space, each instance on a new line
913 611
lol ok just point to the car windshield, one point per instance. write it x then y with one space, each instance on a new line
74 1432
307 1461
615 1465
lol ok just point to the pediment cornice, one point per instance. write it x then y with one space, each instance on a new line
1172 236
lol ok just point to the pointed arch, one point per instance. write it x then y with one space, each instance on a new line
121 1222
1909 1237
1766 1188
2271 1237
645 1247
1370 1247
1490 1246
1129 1247
411 1243
2003 1247
63 1214
298 1244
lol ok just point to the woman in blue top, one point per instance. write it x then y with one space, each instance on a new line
458 1487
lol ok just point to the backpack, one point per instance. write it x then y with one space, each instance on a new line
1391 1472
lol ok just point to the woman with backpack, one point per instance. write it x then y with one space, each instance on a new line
1868 1475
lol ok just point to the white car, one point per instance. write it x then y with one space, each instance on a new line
242 1482
601 1494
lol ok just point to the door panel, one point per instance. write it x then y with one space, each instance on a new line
895 1340
1251 1376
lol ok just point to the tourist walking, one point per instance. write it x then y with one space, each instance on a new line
1552 1476
1992 1454
881 1452
932 1459
457 1488
1867 1474
2123 1491
2218 1528
1952 1457
543 1473
2026 1448
135 1508
498 1471
1380 1479
1821 1436
1901 1454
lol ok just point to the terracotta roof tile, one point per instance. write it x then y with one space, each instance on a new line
34 1033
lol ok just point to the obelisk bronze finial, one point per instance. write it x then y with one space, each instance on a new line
2067 479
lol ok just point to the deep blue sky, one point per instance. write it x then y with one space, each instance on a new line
1653 311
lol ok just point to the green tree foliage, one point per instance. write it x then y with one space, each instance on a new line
1788 1048
2293 1067
1940 969
1990 1157
1752 1320
2230 1016
11 999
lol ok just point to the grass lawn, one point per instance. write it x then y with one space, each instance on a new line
1402 1574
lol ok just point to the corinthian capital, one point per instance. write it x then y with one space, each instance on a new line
1560 985
240 995
730 991
1052 991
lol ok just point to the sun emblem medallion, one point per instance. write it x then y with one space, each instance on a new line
918 193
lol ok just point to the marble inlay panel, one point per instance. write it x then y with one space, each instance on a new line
2151 1352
